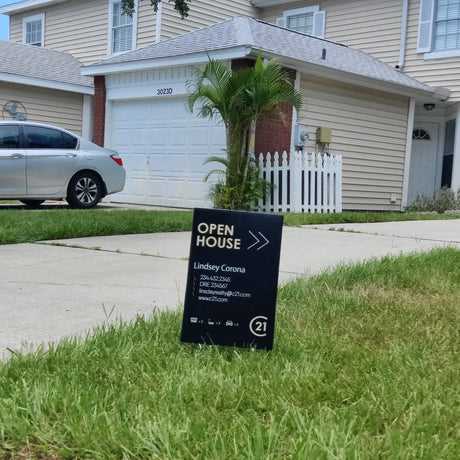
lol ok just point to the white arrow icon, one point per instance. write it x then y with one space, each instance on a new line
258 240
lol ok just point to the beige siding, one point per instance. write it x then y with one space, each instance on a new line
434 72
79 28
202 14
146 25
58 108
369 130
373 26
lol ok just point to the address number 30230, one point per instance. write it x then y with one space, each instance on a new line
164 91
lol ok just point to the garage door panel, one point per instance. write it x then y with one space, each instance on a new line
136 162
158 164
122 137
140 136
197 165
199 136
158 135
178 164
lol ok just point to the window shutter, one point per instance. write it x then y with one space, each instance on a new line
425 27
281 22
319 23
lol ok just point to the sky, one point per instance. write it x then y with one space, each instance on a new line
4 19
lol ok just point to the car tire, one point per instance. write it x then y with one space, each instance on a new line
84 191
33 203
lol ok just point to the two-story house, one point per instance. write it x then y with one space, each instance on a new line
382 76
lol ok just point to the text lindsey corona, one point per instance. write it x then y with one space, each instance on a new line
216 268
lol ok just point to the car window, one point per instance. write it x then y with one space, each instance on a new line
39 137
9 137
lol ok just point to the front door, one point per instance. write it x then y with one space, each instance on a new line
422 173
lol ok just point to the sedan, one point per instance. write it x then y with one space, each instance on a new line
39 162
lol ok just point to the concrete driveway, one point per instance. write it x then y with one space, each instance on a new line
54 289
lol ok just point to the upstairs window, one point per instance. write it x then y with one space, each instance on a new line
121 29
447 25
309 20
33 30
439 28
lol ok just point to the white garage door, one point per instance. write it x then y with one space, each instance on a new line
163 147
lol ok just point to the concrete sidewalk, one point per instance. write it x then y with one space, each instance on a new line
54 289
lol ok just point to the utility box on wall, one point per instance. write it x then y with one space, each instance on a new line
300 135
323 135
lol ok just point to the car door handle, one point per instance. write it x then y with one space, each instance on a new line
70 155
16 155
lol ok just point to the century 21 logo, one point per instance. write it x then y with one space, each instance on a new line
217 236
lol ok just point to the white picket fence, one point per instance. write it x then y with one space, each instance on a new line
302 182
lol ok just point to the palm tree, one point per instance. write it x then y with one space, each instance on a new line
241 99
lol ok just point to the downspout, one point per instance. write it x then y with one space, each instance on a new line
402 46
294 113
410 128
158 25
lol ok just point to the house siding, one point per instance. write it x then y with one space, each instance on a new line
80 29
369 130
202 13
146 25
46 105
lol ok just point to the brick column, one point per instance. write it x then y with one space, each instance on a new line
99 110
274 135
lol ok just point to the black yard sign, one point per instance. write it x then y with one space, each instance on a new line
232 279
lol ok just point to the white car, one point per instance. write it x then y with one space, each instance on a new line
40 162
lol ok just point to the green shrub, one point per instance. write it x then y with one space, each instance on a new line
445 199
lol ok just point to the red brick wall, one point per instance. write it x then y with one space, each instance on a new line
274 135
99 110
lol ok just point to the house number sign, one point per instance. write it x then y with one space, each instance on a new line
232 279
164 91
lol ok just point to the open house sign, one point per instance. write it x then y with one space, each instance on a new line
232 279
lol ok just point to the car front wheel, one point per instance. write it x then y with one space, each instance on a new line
85 190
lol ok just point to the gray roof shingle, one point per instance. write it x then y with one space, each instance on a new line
274 40
41 64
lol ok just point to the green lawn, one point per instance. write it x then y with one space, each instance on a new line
25 225
364 366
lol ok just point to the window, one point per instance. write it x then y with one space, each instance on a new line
9 137
33 30
421 135
309 20
447 25
439 28
46 138
448 157
122 29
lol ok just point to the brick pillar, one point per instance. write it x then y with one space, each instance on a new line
274 135
99 110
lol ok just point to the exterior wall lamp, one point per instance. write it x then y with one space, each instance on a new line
429 106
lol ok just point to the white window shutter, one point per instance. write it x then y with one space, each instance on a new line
425 27
319 23
281 22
